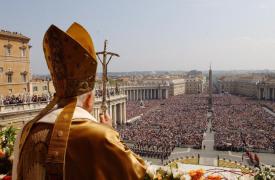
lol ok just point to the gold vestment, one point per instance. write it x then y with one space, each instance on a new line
94 151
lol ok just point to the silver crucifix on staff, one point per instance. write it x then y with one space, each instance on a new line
105 63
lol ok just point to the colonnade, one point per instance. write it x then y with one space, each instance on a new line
116 110
145 94
267 93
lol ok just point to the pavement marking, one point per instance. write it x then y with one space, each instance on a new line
181 152
230 154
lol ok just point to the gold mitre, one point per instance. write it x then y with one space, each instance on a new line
71 59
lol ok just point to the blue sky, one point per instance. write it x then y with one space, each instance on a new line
156 34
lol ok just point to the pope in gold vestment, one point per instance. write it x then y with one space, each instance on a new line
65 141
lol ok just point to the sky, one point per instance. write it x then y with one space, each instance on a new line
152 35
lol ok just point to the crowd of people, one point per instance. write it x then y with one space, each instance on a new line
179 121
137 108
240 123
20 99
268 104
151 151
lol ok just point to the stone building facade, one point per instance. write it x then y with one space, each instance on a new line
145 91
266 89
239 87
259 87
177 87
162 89
14 63
42 87
195 85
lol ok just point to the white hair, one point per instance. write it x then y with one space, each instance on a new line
81 98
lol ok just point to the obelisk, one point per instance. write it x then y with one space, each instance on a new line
210 97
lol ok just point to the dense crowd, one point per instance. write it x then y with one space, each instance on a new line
179 121
137 108
240 123
268 104
20 99
151 151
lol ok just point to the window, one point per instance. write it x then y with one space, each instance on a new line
9 78
7 49
45 88
23 51
24 77
35 88
1 69
10 91
25 89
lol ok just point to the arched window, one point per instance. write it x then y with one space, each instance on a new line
9 75
24 76
7 48
23 51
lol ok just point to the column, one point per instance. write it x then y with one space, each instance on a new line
143 94
114 115
157 93
96 113
110 111
123 113
120 113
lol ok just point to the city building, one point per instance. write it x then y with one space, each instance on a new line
195 85
266 88
145 91
41 87
177 86
260 86
14 63
245 85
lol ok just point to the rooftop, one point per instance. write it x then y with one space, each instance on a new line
17 35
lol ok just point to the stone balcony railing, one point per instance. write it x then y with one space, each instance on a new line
40 105
22 107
